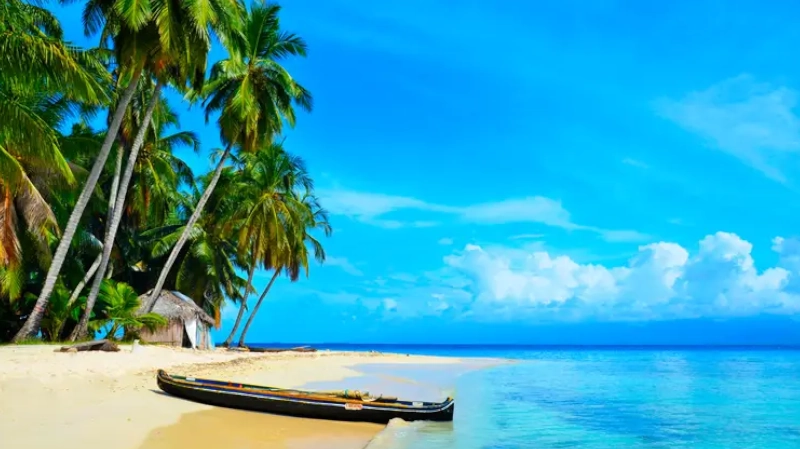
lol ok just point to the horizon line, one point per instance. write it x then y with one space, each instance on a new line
541 345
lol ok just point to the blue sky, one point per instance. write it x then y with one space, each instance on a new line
578 172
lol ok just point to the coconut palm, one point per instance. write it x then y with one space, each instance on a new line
254 95
27 185
207 268
268 179
311 216
177 40
131 80
35 55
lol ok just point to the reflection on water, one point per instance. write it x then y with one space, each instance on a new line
221 428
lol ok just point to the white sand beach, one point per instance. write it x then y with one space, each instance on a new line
111 401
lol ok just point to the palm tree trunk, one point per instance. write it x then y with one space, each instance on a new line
242 307
258 304
112 199
33 323
81 329
89 274
112 196
173 256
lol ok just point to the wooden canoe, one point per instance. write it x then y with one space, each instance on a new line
306 404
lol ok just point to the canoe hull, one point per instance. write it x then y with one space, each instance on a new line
302 407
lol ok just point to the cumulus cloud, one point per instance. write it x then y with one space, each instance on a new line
663 280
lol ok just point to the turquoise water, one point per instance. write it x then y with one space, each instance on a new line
621 399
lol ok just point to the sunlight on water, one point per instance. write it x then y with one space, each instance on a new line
621 400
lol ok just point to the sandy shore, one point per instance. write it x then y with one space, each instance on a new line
110 400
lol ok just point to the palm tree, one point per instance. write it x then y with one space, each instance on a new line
30 180
34 54
159 173
131 77
207 268
170 42
41 78
177 41
116 215
310 215
119 309
265 193
254 95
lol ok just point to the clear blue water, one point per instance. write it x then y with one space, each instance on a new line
598 398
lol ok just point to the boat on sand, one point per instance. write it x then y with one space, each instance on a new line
344 405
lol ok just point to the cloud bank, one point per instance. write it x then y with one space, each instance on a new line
663 281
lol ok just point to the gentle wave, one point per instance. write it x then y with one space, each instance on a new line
398 434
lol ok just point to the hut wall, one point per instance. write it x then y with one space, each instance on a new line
202 335
171 334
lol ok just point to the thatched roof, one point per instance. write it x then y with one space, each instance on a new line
176 305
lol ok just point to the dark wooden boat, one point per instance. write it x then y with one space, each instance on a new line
341 406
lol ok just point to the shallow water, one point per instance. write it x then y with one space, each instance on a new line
625 399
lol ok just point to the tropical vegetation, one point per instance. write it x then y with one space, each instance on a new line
97 208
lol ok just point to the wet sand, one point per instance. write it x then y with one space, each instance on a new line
220 428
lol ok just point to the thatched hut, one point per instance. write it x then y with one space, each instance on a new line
189 326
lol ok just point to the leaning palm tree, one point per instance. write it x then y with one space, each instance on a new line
266 193
178 41
311 216
207 268
254 96
130 59
41 78
144 36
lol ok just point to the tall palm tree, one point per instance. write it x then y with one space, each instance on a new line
131 79
41 78
310 215
254 95
266 193
146 37
178 40
207 268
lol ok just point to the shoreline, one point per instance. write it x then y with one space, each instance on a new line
94 399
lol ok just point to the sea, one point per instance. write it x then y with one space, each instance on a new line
598 397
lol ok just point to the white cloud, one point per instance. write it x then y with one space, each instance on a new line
371 208
662 281
445 241
752 121
344 264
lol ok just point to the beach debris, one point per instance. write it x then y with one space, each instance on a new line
96 345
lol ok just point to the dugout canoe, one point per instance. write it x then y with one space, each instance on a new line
340 406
